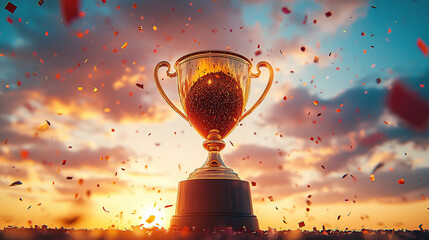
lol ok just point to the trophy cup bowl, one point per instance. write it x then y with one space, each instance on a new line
213 89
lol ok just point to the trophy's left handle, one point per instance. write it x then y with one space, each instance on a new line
267 88
158 85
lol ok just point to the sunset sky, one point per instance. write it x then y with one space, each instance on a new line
364 103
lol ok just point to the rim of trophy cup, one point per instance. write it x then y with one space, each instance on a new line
206 53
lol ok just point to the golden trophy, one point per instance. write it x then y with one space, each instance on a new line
213 89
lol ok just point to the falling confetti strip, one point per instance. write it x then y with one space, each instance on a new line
124 45
422 46
16 183
105 210
167 206
69 178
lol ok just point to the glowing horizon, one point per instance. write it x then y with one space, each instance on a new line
93 150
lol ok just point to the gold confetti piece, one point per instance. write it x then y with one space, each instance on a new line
95 89
315 102
154 28
79 88
372 178
107 110
125 45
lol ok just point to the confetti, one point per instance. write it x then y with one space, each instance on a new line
125 45
167 206
323 167
155 28
315 102
258 52
64 162
339 216
232 144
422 46
69 178
150 219
285 98
40 2
378 80
408 105
70 10
271 198
328 14
16 183
105 210
253 183
301 224
372 178
286 10
25 153
401 181
316 59
345 175
10 7
140 85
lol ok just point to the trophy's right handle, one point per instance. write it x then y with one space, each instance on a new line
158 85
267 88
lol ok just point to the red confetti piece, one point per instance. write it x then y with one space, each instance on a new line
253 183
69 178
46 33
70 10
339 216
422 46
303 49
422 85
150 219
389 30
386 123
378 80
328 14
323 167
301 224
10 7
106 210
167 206
271 198
25 153
401 181
285 98
286 10
16 183
64 162
338 110
408 105
9 20
315 102
258 52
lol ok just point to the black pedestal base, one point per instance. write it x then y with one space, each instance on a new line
214 203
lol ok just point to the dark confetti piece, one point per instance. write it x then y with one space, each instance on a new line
10 7
16 183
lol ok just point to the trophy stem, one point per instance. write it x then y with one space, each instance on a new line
214 167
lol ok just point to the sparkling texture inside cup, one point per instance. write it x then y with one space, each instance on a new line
214 101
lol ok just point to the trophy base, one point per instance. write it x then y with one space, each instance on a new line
214 203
